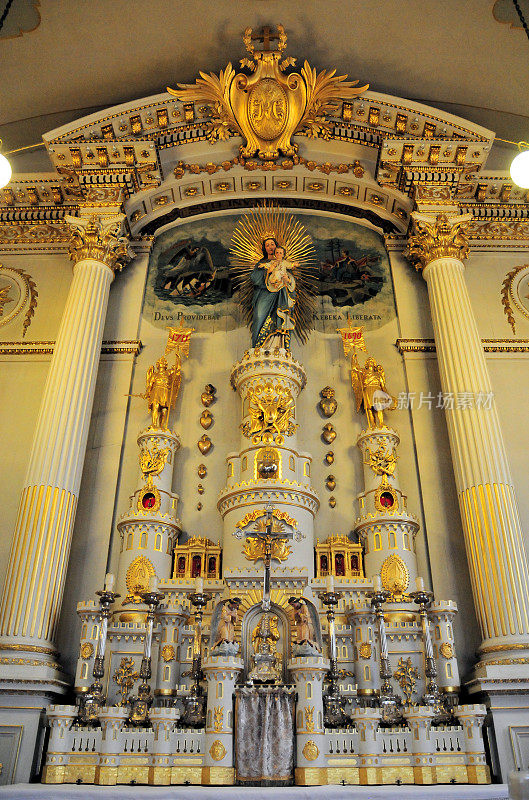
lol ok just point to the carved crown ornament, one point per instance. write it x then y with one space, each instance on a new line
444 238
269 105
99 239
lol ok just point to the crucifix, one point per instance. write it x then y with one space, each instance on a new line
268 539
265 37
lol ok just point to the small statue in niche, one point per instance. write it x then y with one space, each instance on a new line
222 637
308 634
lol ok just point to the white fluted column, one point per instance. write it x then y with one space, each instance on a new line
489 513
33 589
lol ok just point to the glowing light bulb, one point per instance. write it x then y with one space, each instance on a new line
5 171
520 169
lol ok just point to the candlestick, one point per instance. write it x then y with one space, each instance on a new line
377 583
329 583
153 583
199 585
109 582
419 583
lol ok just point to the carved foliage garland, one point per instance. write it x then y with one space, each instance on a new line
17 288
515 292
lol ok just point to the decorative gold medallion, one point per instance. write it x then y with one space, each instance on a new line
395 575
329 457
330 483
332 502
138 576
365 650
446 650
149 499
267 107
217 750
168 652
202 471
87 650
310 750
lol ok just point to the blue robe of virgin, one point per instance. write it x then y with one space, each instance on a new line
265 304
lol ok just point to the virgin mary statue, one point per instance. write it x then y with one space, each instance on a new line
270 255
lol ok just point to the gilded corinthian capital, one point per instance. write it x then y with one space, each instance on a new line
440 239
100 239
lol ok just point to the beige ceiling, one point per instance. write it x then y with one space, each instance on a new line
89 54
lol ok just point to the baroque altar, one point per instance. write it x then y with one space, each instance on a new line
338 652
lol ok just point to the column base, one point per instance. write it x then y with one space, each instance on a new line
504 689
22 722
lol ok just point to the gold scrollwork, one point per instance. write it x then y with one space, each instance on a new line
124 676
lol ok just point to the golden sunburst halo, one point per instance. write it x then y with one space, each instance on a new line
266 222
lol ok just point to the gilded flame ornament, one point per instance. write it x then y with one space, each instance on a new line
268 106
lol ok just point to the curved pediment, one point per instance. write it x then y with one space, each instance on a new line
273 129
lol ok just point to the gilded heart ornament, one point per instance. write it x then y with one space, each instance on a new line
206 419
328 434
204 444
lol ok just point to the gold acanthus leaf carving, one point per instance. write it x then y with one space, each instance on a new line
268 107
444 238
101 240
218 717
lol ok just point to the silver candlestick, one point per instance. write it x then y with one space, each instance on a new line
194 715
389 702
141 703
334 713
91 702
432 696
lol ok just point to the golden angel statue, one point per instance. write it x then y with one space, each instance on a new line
369 387
161 390
271 255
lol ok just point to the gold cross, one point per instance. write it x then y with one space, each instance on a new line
265 37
